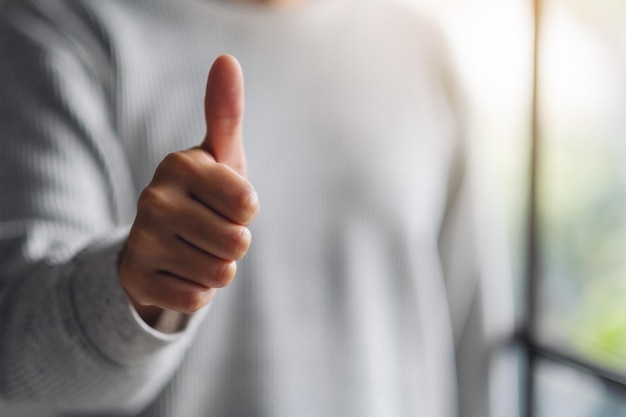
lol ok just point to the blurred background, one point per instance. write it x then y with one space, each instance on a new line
569 257
573 342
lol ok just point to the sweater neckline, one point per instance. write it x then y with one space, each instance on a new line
310 9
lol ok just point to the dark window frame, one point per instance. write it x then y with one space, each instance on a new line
535 351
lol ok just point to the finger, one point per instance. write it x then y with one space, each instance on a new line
215 185
223 109
190 263
189 220
173 293
211 233
227 193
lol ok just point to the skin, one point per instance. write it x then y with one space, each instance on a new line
191 223
191 219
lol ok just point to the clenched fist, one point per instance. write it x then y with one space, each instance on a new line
191 219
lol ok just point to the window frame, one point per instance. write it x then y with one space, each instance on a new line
533 350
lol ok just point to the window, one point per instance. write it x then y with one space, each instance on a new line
566 89
576 333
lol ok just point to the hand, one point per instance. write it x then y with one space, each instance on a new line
191 219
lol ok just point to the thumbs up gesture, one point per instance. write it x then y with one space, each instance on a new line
191 219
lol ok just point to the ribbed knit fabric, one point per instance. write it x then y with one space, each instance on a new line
363 256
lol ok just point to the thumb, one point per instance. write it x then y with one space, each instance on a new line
223 111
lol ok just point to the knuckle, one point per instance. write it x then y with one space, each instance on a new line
224 274
194 301
247 202
175 160
140 241
153 203
240 240
178 166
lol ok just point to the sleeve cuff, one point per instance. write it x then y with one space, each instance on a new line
106 316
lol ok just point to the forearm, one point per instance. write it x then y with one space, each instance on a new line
70 339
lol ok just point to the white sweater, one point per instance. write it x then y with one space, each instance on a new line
363 255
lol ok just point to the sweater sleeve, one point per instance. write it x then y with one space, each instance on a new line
69 339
